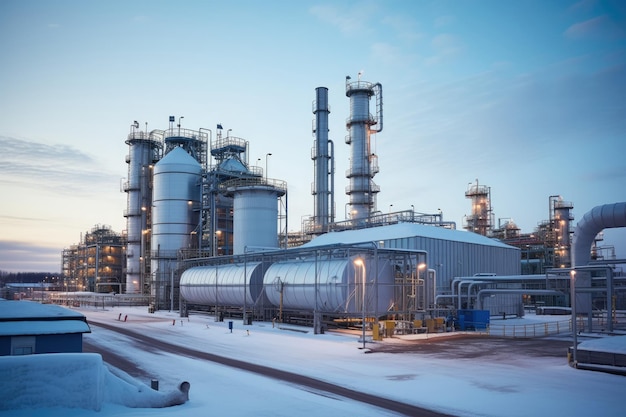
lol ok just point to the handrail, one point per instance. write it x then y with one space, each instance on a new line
530 330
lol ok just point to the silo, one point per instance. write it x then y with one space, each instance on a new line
333 285
175 216
363 160
255 213
143 153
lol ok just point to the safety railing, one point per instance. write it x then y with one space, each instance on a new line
530 330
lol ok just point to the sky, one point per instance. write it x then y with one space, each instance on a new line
510 385
526 97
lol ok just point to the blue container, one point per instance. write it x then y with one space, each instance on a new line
473 319
230 326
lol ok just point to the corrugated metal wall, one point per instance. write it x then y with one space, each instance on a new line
457 259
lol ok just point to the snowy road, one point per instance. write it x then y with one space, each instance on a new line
142 342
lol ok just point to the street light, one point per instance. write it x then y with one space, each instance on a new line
228 132
267 155
358 262
573 305
179 119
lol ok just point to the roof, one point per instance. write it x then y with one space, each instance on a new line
403 230
31 328
30 318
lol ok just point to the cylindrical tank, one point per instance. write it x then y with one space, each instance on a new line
231 285
175 213
143 152
255 217
338 286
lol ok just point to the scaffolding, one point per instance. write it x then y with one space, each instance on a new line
95 264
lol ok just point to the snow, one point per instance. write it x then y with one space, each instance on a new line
402 230
43 327
518 386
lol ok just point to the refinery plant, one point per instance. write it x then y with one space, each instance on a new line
206 230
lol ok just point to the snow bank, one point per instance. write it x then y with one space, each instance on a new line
69 380
75 380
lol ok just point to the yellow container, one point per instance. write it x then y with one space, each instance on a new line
417 324
376 332
439 323
390 327
430 324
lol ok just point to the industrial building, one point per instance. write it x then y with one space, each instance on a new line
207 230
96 263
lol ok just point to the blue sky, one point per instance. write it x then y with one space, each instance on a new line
528 97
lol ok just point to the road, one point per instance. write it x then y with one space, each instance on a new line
143 341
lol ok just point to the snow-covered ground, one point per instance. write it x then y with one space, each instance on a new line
463 387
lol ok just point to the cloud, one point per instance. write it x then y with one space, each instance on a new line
388 53
346 21
59 168
445 46
16 256
442 21
597 28
404 27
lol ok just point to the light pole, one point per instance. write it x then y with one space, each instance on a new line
267 155
573 305
228 132
358 262
179 119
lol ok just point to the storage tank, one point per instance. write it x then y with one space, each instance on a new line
232 285
337 283
175 215
255 213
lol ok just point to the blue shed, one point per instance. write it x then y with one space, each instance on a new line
28 327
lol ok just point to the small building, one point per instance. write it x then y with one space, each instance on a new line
28 327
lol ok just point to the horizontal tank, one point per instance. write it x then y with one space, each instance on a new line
232 285
338 286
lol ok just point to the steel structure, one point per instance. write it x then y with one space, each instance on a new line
144 150
363 161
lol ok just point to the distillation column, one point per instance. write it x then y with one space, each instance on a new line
480 221
363 162
322 188
144 152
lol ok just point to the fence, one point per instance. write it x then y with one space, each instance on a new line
531 330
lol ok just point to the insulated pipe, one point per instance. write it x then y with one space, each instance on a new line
592 223
482 293
459 295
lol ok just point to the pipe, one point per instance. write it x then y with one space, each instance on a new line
592 223
482 293
379 105
459 295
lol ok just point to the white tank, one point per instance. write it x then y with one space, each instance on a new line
255 218
339 285
232 285
175 213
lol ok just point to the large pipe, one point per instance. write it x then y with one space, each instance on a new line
593 222
482 293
